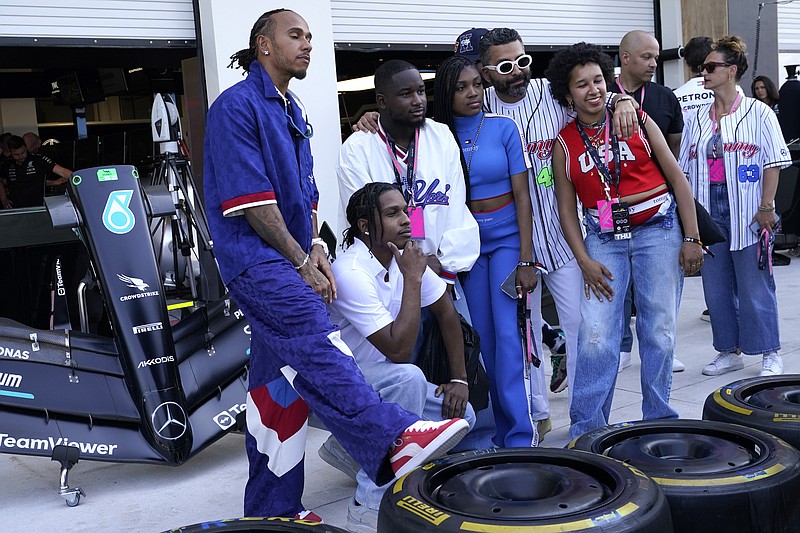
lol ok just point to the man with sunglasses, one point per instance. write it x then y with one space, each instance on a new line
261 201
541 118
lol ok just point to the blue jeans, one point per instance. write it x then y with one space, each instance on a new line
740 297
650 259
405 385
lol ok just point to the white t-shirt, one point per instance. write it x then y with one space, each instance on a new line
693 94
366 303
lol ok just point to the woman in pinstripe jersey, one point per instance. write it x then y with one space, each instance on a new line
732 151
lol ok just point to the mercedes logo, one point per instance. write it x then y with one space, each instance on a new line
169 421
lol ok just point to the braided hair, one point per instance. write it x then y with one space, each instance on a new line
444 88
265 25
363 204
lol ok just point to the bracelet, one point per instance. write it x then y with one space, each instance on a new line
692 239
460 382
304 263
622 99
766 208
526 264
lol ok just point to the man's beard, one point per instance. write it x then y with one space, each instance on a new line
518 91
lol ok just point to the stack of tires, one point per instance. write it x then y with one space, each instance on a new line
687 476
716 476
524 489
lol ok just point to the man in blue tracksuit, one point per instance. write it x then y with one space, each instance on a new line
261 201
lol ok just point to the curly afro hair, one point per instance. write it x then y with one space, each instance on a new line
559 71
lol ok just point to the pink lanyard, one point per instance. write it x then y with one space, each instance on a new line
714 113
641 98
408 182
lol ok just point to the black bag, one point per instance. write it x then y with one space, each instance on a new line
433 362
709 230
710 233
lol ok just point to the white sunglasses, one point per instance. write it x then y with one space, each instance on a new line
507 67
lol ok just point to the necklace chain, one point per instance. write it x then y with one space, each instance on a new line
474 144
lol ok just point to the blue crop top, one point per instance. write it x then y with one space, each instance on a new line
498 153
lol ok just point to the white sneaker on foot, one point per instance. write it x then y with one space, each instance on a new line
725 362
624 361
361 519
677 365
332 453
424 441
772 365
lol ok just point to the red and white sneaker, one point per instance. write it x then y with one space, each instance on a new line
423 441
308 516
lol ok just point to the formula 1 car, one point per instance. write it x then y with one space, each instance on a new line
160 388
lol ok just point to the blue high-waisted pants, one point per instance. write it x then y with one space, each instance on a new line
494 316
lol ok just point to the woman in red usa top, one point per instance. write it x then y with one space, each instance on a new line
632 234
732 150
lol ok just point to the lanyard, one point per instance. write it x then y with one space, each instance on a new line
603 169
641 98
405 180
714 122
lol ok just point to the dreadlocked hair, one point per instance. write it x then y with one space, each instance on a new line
444 88
265 25
363 204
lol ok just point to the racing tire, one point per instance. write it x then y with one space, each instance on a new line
716 476
771 404
524 489
243 525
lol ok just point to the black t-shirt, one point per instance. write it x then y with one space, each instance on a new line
26 181
660 104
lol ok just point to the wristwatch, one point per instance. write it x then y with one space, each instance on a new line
322 243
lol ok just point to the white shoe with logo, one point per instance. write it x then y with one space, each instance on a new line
772 365
725 362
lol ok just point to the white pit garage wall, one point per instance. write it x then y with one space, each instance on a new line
225 29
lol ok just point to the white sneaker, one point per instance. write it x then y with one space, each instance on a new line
624 361
772 365
361 519
677 365
705 316
725 362
332 453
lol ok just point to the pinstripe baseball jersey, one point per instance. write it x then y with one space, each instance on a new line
540 117
752 142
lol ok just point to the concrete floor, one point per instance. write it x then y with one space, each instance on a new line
210 486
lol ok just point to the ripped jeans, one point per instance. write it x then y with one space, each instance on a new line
650 259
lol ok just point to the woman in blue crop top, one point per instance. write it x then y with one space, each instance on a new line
496 173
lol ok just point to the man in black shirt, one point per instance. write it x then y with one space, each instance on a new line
26 175
638 55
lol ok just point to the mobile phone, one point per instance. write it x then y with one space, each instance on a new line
755 227
509 285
